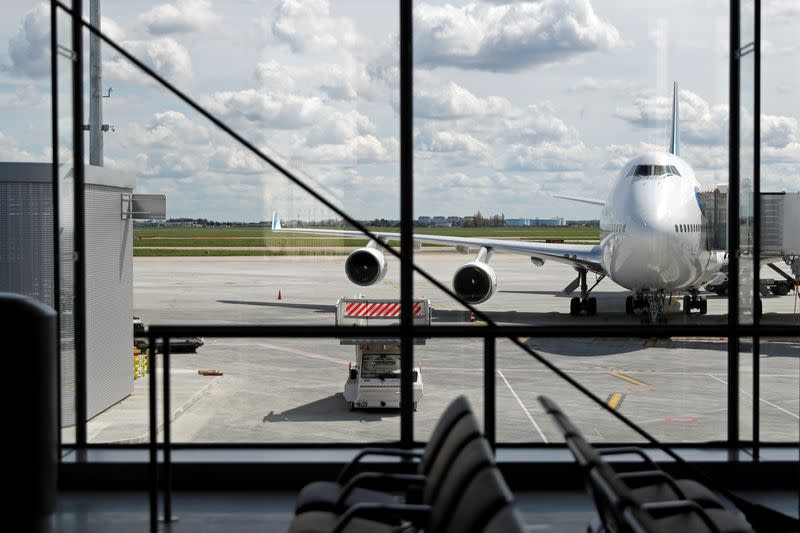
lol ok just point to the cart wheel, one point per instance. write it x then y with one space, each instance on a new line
351 406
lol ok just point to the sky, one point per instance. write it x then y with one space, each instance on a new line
513 101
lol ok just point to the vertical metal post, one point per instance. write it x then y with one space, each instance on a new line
757 227
733 228
152 348
167 440
406 227
56 200
95 89
79 201
489 392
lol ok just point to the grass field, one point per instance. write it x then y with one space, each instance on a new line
189 241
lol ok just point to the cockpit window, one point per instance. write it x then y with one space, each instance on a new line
653 170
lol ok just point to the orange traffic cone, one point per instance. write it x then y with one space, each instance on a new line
279 296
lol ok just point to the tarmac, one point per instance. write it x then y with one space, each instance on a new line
290 390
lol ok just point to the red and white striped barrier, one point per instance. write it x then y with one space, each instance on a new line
377 309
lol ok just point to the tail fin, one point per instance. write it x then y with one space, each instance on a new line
675 138
276 221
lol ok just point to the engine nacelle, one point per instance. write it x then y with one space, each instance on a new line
366 266
475 282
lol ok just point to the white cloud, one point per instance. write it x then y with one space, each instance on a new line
236 160
357 150
29 49
452 101
459 148
184 16
267 109
547 156
338 127
25 97
273 76
700 122
781 10
509 37
110 27
307 25
11 151
165 55
779 131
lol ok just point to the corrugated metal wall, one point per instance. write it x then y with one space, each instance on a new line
109 298
26 267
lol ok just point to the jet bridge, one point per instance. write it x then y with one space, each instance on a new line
780 221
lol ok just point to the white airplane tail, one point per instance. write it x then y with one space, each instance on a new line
675 138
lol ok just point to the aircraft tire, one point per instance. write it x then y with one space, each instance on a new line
703 307
591 306
687 304
575 306
351 406
629 305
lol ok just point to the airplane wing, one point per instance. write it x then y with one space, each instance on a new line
581 200
578 255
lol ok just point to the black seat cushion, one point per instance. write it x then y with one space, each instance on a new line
691 522
692 490
508 520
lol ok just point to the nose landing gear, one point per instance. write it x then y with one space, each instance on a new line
650 304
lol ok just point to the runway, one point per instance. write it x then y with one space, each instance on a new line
290 390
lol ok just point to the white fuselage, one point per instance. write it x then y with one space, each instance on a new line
652 233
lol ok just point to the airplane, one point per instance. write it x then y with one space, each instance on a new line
652 242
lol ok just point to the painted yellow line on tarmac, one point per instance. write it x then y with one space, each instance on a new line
615 400
620 375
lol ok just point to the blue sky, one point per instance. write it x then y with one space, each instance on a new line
514 101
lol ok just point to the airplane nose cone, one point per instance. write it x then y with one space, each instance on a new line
648 255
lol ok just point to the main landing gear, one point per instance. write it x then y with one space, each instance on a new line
585 303
693 300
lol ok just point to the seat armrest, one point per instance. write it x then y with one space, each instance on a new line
636 480
346 472
629 450
384 480
416 513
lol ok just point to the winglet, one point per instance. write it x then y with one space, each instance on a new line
675 138
276 221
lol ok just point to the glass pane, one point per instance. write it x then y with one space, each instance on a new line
508 118
306 98
779 398
260 391
674 388
448 368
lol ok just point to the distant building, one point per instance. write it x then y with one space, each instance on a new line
424 221
455 221
557 221
438 220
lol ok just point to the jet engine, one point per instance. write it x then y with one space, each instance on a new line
475 282
366 266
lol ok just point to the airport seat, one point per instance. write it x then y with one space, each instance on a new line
441 486
327 495
482 505
652 485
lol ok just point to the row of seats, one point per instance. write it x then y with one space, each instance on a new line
457 487
644 501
